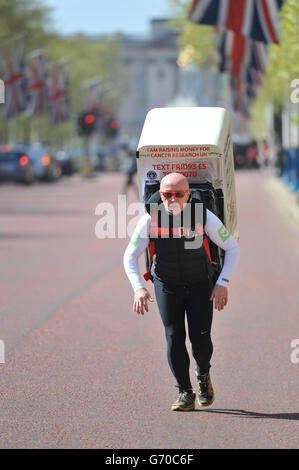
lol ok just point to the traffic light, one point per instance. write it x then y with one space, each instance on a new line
112 127
87 122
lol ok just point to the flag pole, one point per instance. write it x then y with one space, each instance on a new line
12 131
34 131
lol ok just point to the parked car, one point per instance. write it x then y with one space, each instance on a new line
44 162
67 161
110 157
26 164
81 160
15 164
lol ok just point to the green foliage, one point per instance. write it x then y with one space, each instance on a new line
85 58
283 65
197 47
29 17
195 41
89 58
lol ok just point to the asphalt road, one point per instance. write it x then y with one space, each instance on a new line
83 371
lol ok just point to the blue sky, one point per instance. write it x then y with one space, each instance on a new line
106 16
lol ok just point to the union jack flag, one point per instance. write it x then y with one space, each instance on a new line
257 19
15 80
244 88
37 83
237 56
234 51
240 56
92 94
58 94
257 76
240 97
259 56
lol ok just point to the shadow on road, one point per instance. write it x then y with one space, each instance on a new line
253 414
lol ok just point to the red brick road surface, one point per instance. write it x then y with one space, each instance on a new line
83 371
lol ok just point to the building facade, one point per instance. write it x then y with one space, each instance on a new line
151 71
154 79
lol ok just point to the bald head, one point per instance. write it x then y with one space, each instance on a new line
174 182
174 190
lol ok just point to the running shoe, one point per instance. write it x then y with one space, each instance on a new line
185 402
206 393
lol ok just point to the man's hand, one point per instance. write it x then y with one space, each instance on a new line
220 294
140 301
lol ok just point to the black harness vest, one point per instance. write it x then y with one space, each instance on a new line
179 246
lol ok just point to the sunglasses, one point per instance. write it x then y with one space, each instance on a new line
177 194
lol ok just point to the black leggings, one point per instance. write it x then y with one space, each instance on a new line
173 303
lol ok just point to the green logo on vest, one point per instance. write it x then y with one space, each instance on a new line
223 233
135 238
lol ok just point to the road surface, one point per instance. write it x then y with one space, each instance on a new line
83 371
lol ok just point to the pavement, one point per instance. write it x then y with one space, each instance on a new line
83 371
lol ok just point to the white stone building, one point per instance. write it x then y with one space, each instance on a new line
152 75
154 79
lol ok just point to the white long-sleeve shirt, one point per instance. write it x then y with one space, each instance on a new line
214 229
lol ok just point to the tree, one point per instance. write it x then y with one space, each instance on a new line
195 41
30 17
86 58
197 47
282 68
